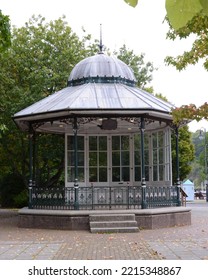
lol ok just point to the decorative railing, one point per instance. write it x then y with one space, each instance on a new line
83 198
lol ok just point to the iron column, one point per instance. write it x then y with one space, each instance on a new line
143 181
76 184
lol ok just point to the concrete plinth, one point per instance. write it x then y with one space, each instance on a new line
79 220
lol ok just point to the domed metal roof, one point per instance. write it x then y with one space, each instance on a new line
101 68
99 86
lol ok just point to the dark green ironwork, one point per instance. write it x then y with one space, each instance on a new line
76 184
30 184
143 181
125 197
177 166
98 79
161 196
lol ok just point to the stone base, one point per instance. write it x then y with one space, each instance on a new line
79 220
163 217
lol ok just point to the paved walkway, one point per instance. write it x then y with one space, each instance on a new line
186 243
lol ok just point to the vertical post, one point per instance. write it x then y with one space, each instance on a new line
76 184
143 181
34 159
205 162
177 166
30 185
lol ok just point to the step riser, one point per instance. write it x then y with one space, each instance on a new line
101 218
113 224
114 230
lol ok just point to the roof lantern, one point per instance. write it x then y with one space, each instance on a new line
101 68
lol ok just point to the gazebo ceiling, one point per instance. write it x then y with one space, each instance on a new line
109 94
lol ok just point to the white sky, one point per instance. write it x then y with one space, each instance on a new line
141 29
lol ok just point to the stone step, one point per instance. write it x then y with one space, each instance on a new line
109 223
112 224
112 217
114 230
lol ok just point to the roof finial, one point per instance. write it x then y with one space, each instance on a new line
101 44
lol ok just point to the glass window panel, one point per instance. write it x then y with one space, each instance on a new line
81 174
146 156
137 173
125 142
115 142
160 139
137 142
116 174
154 156
146 170
93 174
93 159
161 155
125 174
146 141
70 173
103 175
137 158
124 158
103 159
80 143
93 143
116 158
103 143
70 158
81 158
155 178
154 140
161 176
70 143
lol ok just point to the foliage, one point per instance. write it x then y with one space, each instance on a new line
190 112
186 153
198 174
38 63
142 71
14 186
5 34
187 17
132 3
180 12
197 26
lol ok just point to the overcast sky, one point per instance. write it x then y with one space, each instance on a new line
141 29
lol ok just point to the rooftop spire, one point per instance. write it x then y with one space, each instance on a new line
101 43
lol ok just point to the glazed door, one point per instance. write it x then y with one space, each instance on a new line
120 160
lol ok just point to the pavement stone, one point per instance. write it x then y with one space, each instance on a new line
176 243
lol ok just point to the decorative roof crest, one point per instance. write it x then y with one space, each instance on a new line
101 39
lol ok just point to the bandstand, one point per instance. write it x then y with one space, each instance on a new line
117 143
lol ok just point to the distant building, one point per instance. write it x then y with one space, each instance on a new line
188 188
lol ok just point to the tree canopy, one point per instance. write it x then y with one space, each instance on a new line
187 18
186 153
37 63
180 12
142 70
5 33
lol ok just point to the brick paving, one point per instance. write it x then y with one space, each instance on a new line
187 242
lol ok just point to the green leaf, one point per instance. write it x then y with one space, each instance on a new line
179 12
132 3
